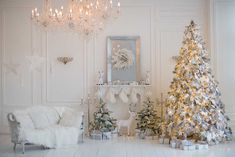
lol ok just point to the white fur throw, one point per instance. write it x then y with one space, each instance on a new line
52 127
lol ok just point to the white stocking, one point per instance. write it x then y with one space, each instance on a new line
123 95
110 96
101 92
134 98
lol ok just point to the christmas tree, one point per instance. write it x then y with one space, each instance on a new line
103 122
147 118
194 108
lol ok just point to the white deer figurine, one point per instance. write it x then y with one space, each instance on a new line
126 123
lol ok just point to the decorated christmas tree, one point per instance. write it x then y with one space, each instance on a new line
103 122
194 108
147 119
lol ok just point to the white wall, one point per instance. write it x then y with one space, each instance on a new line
160 23
224 15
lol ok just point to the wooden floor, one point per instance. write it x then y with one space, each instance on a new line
120 147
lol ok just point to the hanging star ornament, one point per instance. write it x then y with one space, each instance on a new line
35 62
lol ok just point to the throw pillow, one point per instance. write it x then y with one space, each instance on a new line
39 117
24 119
71 118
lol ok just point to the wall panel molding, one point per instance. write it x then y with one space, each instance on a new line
46 73
1 67
150 19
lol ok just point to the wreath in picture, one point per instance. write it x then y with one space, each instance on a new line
122 58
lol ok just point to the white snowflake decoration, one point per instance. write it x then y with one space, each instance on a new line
122 58
35 62
14 69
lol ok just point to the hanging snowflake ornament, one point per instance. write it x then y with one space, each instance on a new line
35 62
122 58
14 69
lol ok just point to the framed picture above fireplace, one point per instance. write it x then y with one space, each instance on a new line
123 58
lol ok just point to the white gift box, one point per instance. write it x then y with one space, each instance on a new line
164 140
192 147
173 145
161 140
106 135
155 137
149 137
96 136
200 146
187 147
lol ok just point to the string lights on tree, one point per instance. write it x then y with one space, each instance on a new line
194 108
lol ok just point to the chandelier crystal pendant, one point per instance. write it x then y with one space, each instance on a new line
49 17
86 17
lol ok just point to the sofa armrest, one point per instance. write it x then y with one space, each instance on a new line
14 128
82 127
82 124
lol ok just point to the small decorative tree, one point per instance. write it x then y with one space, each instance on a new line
194 108
103 122
148 122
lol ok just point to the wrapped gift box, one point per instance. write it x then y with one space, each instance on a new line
106 135
175 143
96 135
202 145
149 137
163 140
187 147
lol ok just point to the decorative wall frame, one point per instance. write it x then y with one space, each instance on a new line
123 58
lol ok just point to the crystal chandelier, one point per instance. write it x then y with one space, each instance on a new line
83 16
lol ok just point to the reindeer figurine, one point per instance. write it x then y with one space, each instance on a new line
126 123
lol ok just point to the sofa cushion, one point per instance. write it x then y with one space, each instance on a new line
52 115
44 116
40 120
71 118
24 119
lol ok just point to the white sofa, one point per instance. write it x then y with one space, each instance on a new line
51 127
